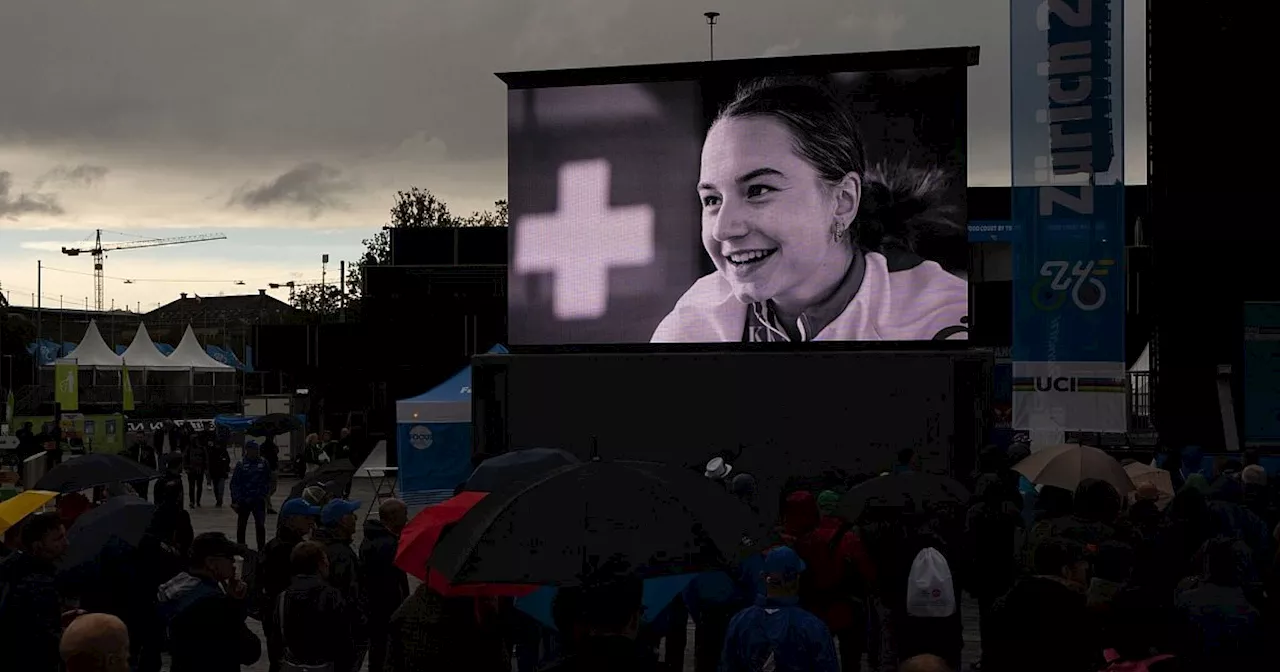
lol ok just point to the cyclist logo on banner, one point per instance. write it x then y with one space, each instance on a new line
1079 283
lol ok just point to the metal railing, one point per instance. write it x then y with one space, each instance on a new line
143 395
1139 396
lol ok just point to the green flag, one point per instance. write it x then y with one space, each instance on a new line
128 389
67 385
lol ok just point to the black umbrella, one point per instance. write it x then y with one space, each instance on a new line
92 470
124 518
596 517
334 477
907 490
517 467
273 424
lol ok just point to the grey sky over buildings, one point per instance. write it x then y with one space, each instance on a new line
262 115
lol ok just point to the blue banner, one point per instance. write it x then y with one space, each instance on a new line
1067 142
433 456
1262 374
1068 302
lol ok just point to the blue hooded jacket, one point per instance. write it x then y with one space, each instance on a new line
797 640
251 481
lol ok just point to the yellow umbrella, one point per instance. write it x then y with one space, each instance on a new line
15 509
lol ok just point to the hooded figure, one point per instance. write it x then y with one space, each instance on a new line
1234 520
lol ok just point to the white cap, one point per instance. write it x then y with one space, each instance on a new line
718 469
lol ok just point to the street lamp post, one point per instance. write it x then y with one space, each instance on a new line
712 19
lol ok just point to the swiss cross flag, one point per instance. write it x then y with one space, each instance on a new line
604 210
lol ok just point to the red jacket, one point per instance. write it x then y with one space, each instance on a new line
836 571
799 517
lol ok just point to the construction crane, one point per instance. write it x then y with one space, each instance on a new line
99 252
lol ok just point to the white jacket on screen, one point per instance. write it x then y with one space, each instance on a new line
920 303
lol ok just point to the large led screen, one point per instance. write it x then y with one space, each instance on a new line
770 200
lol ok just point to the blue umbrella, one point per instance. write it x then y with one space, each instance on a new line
658 594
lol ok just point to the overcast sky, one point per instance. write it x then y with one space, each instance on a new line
289 124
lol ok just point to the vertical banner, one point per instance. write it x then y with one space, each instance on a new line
66 388
1067 141
126 391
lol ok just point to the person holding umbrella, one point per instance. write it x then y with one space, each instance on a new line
1097 508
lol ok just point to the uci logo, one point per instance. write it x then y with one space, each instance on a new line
1059 280
1055 384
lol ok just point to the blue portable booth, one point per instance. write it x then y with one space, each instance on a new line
433 439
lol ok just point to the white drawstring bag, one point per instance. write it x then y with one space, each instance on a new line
930 591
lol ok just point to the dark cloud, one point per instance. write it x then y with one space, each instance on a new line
250 78
313 186
83 175
259 80
25 203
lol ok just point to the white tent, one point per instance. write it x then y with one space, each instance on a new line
93 352
189 355
142 353
1143 365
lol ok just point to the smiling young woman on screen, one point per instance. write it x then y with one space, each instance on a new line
809 242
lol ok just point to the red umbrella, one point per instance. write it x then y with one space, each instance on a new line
420 537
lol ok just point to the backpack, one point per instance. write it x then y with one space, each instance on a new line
1114 664
930 590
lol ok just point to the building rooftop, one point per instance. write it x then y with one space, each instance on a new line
259 308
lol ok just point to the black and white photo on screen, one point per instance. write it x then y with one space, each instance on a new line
826 207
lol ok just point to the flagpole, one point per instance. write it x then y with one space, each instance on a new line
39 353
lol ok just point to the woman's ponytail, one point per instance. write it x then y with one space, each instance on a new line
903 208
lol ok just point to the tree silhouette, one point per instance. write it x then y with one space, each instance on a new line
320 301
412 209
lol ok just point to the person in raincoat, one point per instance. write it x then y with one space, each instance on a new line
809 240
776 633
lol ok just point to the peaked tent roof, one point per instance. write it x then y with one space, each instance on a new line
449 401
143 354
189 354
93 351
